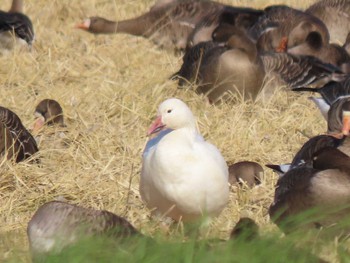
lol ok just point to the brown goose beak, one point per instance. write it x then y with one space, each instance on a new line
38 124
283 45
346 123
85 25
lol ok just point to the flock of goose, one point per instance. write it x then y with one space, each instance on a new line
228 51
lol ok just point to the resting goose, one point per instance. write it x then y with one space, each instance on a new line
283 21
245 172
238 68
167 24
48 111
231 69
335 15
57 225
328 53
183 176
17 142
322 185
18 23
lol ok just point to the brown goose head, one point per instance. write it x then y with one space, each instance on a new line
339 117
301 45
98 25
249 173
48 111
23 145
301 33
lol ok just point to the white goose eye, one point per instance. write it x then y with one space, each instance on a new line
169 111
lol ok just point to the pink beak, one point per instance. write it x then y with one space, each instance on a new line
84 25
39 123
156 126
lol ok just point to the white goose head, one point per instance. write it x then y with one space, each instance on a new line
173 114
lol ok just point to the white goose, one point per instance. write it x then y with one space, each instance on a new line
183 176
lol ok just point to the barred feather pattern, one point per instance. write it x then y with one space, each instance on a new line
298 71
24 143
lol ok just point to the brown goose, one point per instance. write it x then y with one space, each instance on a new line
335 15
232 69
322 187
328 53
168 24
48 111
249 173
238 68
283 21
19 143
18 23
56 225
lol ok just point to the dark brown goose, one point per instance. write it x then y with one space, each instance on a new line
56 225
246 172
19 143
232 69
168 24
48 111
283 21
237 68
335 15
18 23
323 186
328 53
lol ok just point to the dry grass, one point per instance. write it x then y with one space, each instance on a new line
109 88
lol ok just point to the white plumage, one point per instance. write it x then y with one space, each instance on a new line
183 176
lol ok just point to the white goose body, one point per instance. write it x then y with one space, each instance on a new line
183 176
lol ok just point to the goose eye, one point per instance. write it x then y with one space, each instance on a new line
169 111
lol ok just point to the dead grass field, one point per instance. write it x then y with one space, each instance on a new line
110 87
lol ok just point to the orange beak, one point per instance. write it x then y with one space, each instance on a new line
283 45
156 126
85 25
346 123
